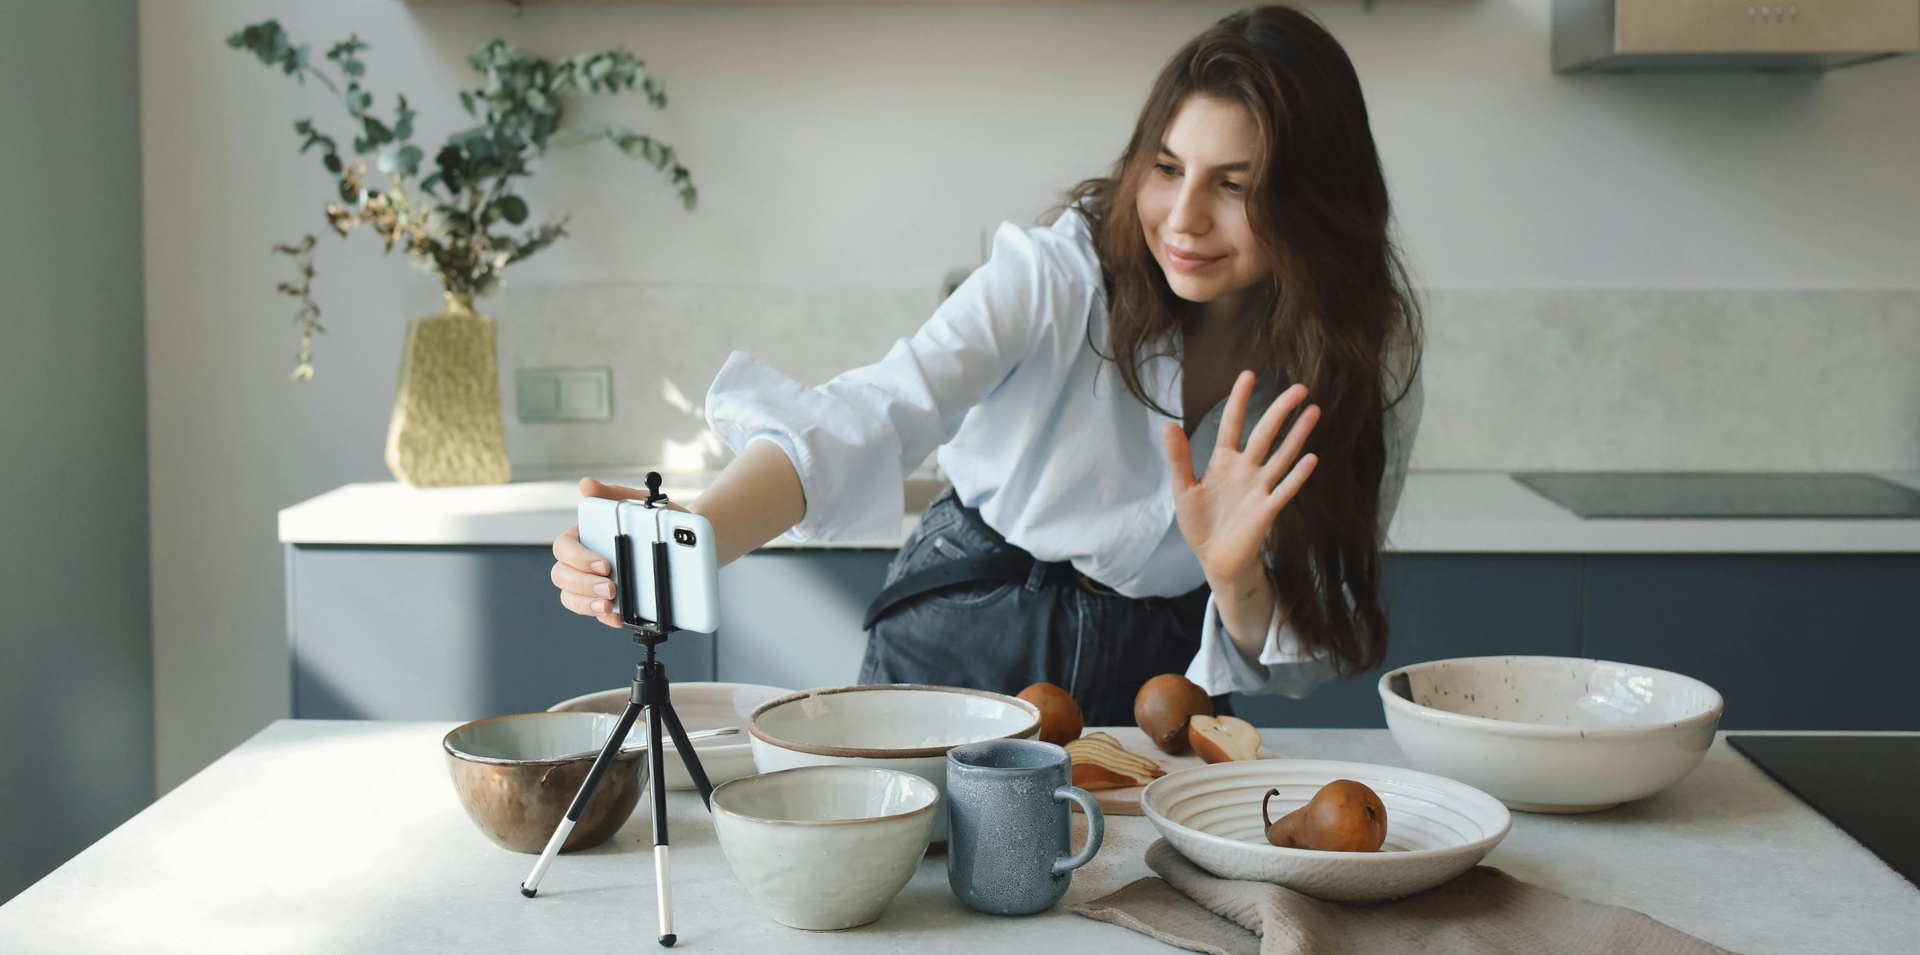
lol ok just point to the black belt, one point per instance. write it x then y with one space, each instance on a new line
1011 565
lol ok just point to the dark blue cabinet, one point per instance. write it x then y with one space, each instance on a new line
449 633
1792 641
1445 605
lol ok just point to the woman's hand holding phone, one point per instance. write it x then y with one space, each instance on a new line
585 578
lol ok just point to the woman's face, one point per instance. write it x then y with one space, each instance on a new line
1193 202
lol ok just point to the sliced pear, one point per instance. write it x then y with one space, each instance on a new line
1223 739
1100 762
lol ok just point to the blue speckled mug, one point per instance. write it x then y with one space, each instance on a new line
1010 832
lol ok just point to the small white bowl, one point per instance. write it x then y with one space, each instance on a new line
825 848
1436 828
702 706
894 726
1551 734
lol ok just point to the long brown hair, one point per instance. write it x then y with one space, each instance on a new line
1317 203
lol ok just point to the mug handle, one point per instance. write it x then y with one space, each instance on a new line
1096 828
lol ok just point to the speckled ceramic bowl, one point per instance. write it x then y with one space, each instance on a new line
1436 828
825 848
1551 734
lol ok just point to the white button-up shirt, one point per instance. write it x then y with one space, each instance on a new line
1006 385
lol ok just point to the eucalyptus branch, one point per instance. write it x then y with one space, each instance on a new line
445 217
308 317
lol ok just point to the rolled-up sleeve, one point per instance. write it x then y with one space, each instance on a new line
1285 667
854 439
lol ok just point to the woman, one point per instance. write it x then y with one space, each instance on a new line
1107 396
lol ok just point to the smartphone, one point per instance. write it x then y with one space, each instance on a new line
693 575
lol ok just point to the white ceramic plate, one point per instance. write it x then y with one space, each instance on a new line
1436 828
1551 734
702 706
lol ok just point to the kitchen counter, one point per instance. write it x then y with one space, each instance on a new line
346 837
1440 512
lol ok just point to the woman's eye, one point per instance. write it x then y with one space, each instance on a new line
1165 170
1234 187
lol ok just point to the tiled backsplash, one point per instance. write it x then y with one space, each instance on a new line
1603 379
1682 379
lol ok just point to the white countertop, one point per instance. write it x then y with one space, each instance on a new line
1440 512
347 837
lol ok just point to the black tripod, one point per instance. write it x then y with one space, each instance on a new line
650 693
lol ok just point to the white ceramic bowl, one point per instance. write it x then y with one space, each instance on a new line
1436 828
702 706
825 848
895 726
1551 734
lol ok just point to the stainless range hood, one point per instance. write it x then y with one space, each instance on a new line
1619 36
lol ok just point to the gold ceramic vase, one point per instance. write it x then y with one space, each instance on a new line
446 415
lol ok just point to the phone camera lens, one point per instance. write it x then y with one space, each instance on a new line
682 535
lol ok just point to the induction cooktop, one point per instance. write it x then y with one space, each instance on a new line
1709 494
1866 785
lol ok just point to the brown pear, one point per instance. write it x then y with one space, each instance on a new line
1163 706
1060 719
1344 816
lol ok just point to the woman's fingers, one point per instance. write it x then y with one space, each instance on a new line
1179 456
574 582
1287 488
581 574
1296 440
588 606
1235 417
612 492
1269 424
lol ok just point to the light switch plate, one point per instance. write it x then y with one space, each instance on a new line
545 395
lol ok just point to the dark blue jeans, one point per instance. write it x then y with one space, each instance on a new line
1002 636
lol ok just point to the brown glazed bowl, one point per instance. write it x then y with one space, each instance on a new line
517 774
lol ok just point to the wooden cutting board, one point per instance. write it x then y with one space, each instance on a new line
1126 802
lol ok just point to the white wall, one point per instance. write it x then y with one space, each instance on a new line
76 667
857 144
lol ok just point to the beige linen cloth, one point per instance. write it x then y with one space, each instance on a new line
1483 912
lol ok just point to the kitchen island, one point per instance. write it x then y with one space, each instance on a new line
321 836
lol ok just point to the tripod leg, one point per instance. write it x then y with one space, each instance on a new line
657 784
689 757
579 805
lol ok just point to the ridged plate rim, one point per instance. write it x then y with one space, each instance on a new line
1332 769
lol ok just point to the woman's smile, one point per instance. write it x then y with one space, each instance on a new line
1187 262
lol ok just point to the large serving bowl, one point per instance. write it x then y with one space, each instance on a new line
1551 734
1436 828
825 848
702 706
895 726
516 775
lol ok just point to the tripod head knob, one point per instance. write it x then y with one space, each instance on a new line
653 489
